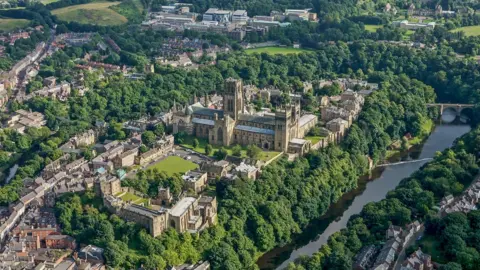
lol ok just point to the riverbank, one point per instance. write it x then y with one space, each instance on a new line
425 132
371 188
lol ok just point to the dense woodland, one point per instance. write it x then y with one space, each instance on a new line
458 236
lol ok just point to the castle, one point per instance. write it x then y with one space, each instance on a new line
278 131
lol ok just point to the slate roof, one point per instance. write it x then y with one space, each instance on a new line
255 130
207 111
203 121
257 119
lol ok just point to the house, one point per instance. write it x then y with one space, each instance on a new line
22 119
417 261
216 169
387 255
195 180
92 254
60 241
365 258
246 171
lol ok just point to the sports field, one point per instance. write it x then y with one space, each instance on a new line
12 24
92 13
469 30
174 164
372 28
275 50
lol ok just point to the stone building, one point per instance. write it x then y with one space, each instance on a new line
246 171
338 127
154 220
22 119
233 125
195 180
60 241
108 185
216 169
193 214
162 147
126 159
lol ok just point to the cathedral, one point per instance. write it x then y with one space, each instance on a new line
278 131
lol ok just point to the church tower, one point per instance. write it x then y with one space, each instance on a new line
283 118
233 98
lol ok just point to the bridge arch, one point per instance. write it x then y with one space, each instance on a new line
451 112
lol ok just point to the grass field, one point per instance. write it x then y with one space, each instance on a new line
174 164
46 2
130 197
469 30
12 24
264 155
314 139
275 50
372 28
92 13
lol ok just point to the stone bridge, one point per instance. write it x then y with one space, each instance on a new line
444 106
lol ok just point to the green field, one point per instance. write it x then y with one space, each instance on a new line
469 30
265 155
92 13
46 2
314 139
372 28
275 50
130 197
12 24
174 164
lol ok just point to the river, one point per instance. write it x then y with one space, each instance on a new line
371 188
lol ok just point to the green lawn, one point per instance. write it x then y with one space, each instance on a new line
93 13
469 30
275 50
46 2
431 246
265 155
12 24
314 139
372 28
174 164
130 197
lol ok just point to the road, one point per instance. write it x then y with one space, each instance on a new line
19 91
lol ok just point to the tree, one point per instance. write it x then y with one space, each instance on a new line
220 153
159 129
208 149
224 257
196 143
237 151
148 138
253 151
451 266
88 154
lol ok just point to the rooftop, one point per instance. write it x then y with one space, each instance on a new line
255 129
203 121
257 119
182 206
306 119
